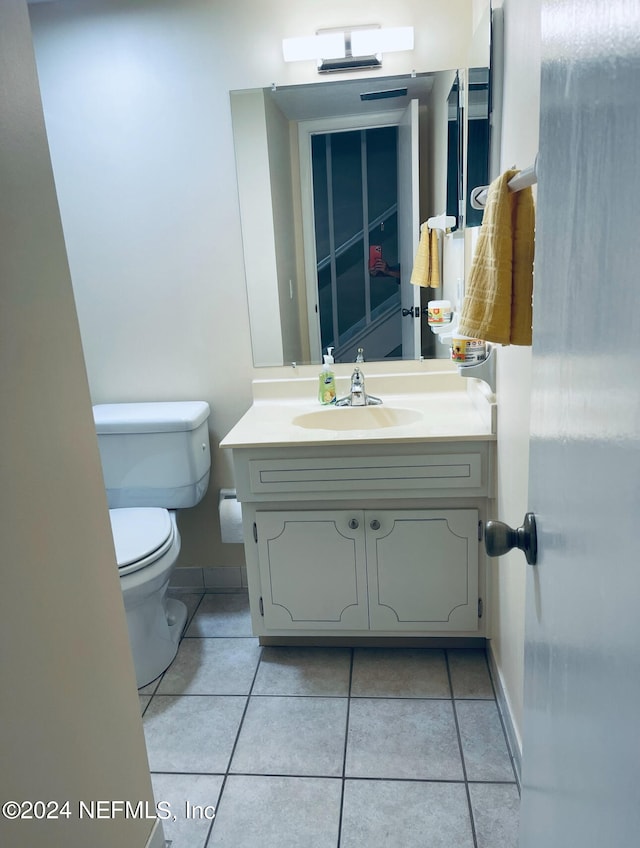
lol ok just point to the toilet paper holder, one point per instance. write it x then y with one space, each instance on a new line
230 513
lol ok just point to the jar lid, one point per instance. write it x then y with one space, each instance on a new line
459 337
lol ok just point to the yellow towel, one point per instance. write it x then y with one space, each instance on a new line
426 267
497 303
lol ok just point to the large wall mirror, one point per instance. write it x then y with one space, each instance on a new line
334 181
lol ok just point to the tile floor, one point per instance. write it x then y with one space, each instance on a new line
325 747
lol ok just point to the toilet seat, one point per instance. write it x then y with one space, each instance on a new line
141 535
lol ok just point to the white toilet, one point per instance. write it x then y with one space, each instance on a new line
155 459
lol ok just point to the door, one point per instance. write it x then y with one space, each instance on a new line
313 570
581 739
423 569
345 178
409 227
355 199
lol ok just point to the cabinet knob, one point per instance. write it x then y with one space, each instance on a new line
500 538
354 523
375 524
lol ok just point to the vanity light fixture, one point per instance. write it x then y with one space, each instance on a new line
348 48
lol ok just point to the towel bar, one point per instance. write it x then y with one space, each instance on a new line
526 178
440 222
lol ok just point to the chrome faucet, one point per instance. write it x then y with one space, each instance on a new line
357 395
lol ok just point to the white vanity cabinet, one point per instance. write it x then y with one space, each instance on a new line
368 570
363 541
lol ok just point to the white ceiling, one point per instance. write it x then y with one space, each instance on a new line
342 97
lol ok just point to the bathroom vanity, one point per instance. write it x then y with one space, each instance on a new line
366 523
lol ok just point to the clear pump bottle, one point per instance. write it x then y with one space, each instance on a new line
327 380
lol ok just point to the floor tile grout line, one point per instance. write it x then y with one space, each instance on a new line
190 618
218 595
241 723
462 760
304 697
193 614
207 695
252 694
233 749
146 706
220 636
400 698
364 777
344 753
161 676
191 636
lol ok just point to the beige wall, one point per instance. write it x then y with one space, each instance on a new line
70 722
519 146
136 100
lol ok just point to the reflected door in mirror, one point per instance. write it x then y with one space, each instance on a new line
356 240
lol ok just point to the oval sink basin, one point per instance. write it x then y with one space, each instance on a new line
357 418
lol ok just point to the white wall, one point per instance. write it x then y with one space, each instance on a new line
136 100
282 166
70 723
437 135
519 146
250 134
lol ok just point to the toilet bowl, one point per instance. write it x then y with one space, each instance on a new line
147 544
155 459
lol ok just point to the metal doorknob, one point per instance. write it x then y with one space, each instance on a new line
500 538
414 312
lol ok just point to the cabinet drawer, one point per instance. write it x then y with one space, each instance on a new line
350 474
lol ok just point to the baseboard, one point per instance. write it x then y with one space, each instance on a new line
373 641
221 579
157 840
513 740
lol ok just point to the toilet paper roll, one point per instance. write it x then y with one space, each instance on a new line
230 511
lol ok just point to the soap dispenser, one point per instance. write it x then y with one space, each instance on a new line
327 380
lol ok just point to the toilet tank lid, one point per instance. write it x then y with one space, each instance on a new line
160 417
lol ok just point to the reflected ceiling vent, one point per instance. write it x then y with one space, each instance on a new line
348 48
384 95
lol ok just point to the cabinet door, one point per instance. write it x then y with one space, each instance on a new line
312 570
423 569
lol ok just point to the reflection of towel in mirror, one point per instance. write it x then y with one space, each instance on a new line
497 302
426 266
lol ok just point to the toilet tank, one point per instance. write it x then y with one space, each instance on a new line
154 454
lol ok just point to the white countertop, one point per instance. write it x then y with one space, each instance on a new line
448 408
